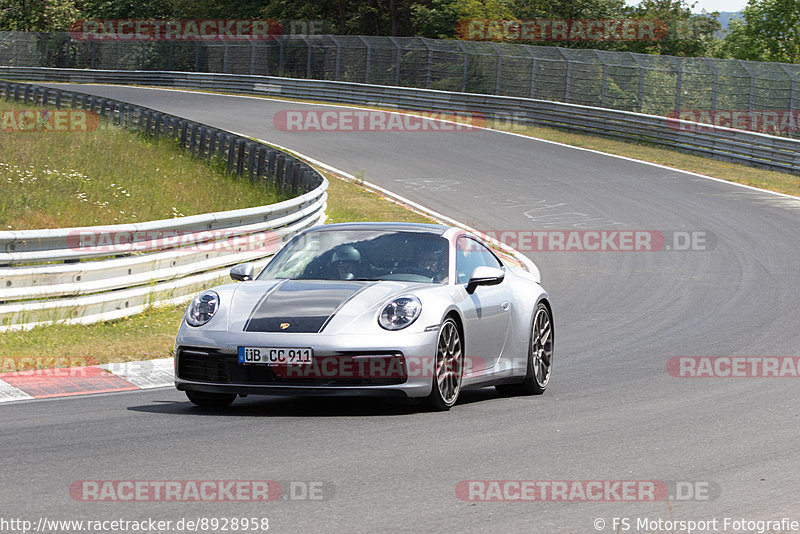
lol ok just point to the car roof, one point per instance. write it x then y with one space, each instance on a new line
435 229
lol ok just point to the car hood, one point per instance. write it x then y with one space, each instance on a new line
305 306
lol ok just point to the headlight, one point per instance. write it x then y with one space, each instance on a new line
400 313
202 308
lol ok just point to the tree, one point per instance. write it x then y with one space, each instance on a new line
687 33
768 30
439 19
37 15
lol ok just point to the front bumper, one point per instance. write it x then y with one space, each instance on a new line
342 365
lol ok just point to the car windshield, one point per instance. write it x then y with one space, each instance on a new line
365 254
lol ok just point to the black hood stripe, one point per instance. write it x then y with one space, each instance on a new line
301 306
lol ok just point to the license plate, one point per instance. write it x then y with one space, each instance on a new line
276 355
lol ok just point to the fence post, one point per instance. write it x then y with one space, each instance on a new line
568 80
714 83
752 97
368 58
429 70
603 86
338 57
398 60
793 93
281 57
465 66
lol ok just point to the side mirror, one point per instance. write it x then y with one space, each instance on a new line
485 276
243 272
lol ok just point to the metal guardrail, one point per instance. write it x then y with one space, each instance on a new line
158 262
726 144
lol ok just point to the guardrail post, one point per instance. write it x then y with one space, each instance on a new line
231 148
241 147
251 161
261 166
184 126
212 144
201 141
193 139
148 123
280 172
295 177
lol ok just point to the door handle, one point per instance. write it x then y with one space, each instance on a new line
505 305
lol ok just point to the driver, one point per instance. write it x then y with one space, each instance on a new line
346 261
430 261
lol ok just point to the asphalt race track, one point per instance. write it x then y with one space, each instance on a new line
613 412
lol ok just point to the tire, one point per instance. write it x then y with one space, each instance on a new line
540 357
211 400
447 367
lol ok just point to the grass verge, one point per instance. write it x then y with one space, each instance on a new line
109 176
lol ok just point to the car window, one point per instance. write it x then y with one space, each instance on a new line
470 254
367 254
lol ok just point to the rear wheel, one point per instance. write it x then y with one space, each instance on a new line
540 357
447 368
211 400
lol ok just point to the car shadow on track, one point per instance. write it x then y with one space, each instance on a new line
263 406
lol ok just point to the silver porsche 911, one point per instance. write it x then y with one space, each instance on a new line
390 309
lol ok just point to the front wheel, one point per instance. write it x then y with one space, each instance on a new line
540 357
210 400
447 368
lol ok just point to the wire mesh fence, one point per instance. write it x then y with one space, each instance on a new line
658 85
